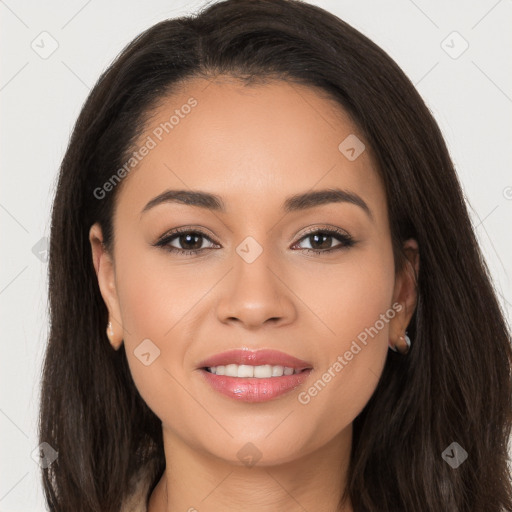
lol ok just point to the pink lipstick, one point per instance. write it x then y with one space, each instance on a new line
254 376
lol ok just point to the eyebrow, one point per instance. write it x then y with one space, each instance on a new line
293 203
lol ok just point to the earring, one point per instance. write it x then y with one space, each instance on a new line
404 346
110 332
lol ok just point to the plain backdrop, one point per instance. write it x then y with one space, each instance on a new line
53 52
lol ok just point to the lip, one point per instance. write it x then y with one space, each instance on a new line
255 358
253 389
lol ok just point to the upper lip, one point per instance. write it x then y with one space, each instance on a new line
255 358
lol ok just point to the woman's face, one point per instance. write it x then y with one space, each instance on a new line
255 282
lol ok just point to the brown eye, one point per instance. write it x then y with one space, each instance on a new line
188 241
192 241
320 241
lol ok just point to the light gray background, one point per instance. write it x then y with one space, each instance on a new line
470 96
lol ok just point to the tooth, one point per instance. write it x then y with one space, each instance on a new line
244 370
263 372
231 370
277 371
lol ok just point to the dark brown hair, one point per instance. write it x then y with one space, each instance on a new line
455 383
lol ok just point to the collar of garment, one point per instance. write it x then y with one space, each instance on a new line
138 495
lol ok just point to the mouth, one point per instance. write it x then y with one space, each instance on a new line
265 371
251 376
258 360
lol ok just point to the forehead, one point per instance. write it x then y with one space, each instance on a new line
250 143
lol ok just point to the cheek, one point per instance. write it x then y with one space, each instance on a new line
366 290
348 296
154 293
154 301
355 307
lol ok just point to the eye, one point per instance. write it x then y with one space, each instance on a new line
320 240
191 241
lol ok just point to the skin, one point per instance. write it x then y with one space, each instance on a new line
253 146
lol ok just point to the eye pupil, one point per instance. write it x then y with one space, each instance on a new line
317 236
185 239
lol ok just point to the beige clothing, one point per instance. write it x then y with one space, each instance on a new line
138 499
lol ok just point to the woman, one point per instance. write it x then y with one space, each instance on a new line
254 206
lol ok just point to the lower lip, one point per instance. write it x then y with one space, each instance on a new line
252 389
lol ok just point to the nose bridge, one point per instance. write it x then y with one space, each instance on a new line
253 263
253 277
255 293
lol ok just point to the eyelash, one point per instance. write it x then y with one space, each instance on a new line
345 239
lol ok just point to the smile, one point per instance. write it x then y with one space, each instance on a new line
264 371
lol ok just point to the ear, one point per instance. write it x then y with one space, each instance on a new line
405 292
105 272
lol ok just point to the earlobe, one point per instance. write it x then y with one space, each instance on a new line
405 294
105 273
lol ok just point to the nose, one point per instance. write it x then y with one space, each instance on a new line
256 293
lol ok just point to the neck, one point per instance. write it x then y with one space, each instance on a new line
197 481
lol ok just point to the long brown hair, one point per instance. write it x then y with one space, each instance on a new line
455 384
